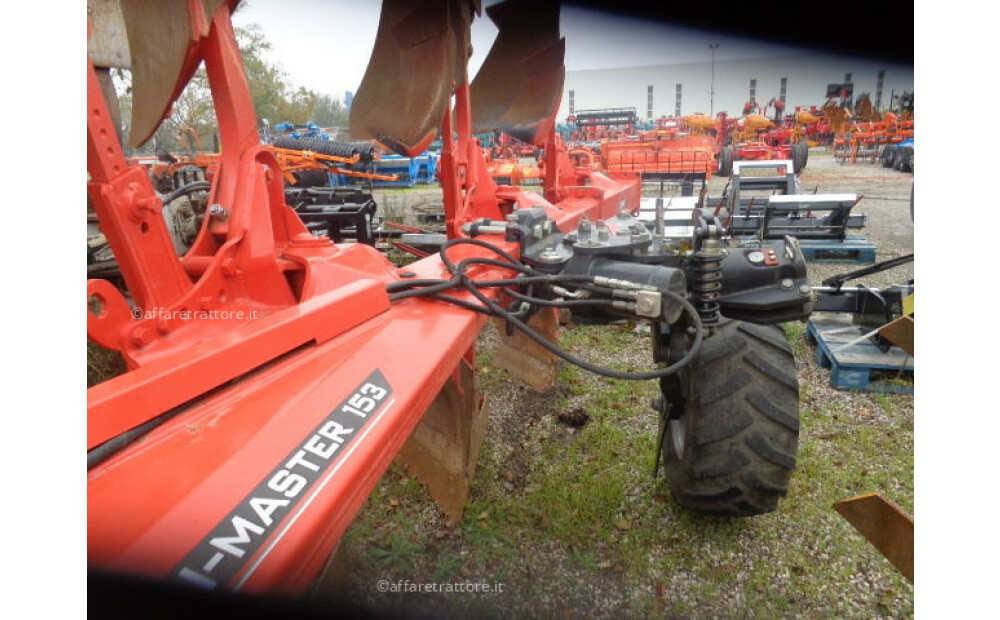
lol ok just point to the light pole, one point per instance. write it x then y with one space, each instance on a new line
713 47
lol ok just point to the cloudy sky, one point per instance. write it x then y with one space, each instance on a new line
324 45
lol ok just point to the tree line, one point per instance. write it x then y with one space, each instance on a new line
274 98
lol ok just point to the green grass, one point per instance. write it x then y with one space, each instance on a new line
589 520
398 555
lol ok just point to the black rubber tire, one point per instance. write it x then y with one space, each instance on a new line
798 158
805 154
911 202
726 161
740 427
886 156
897 162
905 157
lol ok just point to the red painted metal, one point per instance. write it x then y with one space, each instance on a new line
250 339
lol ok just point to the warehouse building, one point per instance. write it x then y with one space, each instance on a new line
679 89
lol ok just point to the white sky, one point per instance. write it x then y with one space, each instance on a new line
324 45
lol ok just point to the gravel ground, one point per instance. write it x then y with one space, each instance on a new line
565 514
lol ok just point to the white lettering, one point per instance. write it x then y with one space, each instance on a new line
373 390
320 449
299 459
228 543
265 507
333 430
362 402
286 483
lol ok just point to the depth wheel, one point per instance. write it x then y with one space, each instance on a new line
731 452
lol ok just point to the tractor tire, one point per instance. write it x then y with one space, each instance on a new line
897 162
732 452
726 162
798 158
886 155
911 202
905 157
805 154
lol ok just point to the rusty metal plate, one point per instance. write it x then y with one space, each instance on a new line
443 449
885 525
419 55
108 45
525 359
520 84
899 333
163 44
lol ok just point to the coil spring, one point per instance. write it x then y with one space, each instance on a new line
706 277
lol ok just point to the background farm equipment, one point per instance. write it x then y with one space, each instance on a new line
761 210
601 124
271 377
407 171
898 156
756 137
867 141
661 152
877 341
308 130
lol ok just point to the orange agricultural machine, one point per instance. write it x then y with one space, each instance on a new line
665 152
271 372
755 136
511 171
866 141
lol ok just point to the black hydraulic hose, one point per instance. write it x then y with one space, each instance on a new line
568 303
197 186
99 454
434 289
594 368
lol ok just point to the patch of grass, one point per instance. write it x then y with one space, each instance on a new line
588 512
446 566
796 333
398 556
102 364
586 560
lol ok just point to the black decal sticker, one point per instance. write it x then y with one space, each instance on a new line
223 553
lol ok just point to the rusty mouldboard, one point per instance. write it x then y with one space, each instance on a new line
108 44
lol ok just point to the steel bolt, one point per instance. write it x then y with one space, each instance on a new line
805 289
550 255
218 212
140 337
787 283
